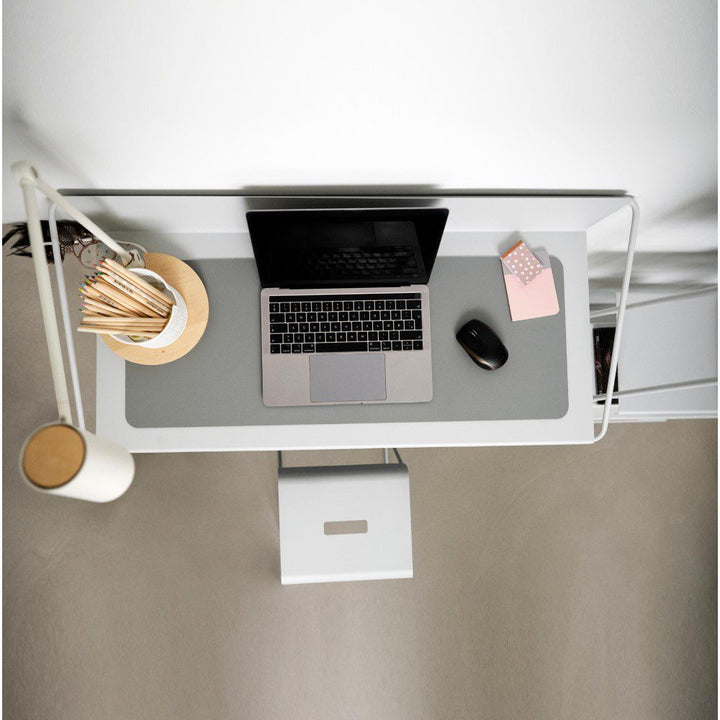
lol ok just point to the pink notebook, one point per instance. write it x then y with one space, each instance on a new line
536 299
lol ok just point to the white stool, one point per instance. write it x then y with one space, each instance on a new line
350 522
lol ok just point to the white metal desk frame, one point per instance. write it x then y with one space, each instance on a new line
613 204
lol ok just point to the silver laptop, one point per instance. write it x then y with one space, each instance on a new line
345 305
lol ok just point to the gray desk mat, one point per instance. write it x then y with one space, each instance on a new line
218 383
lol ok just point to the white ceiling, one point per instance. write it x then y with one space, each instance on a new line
620 94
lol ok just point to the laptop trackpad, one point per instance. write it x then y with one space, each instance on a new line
347 378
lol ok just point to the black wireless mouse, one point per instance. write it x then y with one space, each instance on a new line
482 345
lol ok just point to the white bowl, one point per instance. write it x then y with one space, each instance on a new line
177 322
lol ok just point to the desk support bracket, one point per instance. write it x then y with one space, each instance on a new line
620 318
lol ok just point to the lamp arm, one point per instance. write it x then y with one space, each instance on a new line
47 304
24 172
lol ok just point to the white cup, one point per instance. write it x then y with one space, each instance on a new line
177 322
60 459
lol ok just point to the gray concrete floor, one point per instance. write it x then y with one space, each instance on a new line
550 582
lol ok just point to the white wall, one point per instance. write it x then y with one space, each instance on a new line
460 94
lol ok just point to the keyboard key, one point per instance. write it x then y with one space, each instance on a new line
295 307
411 335
278 328
385 315
341 337
285 349
397 324
379 304
343 316
386 346
346 326
367 325
298 337
347 305
314 327
389 304
290 317
293 328
312 317
274 349
358 305
322 317
396 315
374 347
374 315
384 335
407 344
409 325
287 338
316 306
309 338
364 315
397 345
296 349
327 306
406 314
372 336
284 307
369 305
320 337
335 327
304 327
394 335
306 307
417 345
274 307
324 327
362 336
308 348
356 326
301 317
400 305
412 304
388 325
276 338
377 325
341 347
337 306
277 317
352 337
329 337
354 316
333 317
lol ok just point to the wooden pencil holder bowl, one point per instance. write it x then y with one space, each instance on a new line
185 281
177 322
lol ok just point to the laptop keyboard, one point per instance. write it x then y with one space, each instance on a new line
346 323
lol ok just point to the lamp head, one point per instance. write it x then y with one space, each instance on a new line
24 172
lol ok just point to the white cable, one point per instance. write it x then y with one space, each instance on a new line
62 293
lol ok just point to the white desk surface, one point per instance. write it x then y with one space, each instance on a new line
195 225
575 427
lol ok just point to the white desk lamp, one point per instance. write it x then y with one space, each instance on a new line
59 458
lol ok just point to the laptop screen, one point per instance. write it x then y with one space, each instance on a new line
345 248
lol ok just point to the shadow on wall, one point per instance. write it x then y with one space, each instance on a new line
679 269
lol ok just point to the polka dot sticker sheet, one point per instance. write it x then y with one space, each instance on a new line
521 262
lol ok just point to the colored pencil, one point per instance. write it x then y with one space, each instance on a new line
134 278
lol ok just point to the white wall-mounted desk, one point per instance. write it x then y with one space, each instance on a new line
209 228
